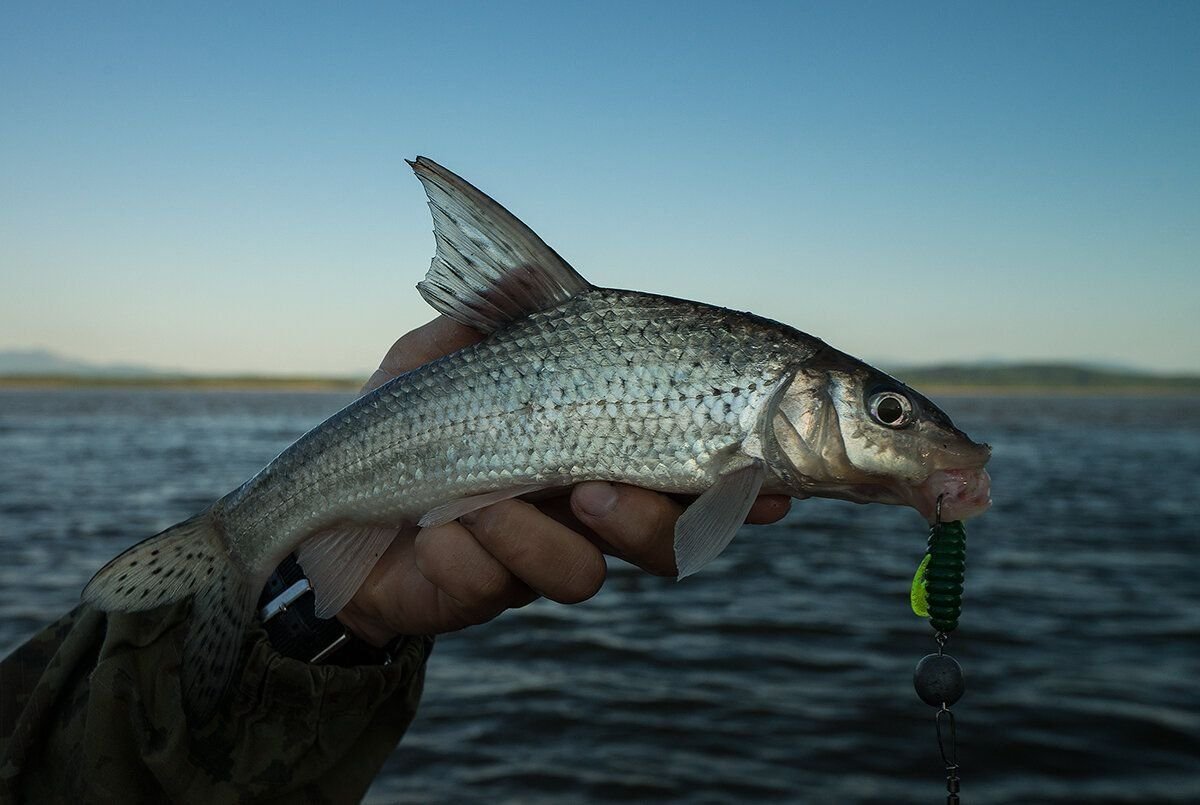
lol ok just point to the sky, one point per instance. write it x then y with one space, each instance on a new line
222 188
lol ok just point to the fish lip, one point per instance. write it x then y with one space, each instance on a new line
963 492
973 456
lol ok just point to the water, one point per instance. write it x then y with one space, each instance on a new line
780 673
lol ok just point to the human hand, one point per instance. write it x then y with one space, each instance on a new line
506 555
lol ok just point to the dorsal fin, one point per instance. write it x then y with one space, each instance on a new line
489 268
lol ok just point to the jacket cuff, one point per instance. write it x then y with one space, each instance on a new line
105 719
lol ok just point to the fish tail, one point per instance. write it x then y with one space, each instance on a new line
189 559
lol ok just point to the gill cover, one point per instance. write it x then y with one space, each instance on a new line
805 439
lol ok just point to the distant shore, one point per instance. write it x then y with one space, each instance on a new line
935 389
1044 379
232 383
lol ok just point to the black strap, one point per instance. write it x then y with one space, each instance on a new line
297 632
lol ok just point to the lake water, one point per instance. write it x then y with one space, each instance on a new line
782 672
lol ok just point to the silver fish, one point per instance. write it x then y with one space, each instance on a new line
572 383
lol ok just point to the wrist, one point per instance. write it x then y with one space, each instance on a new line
294 630
369 630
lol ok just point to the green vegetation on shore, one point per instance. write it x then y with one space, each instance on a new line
1014 378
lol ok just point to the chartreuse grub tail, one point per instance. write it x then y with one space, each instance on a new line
937 594
918 597
938 585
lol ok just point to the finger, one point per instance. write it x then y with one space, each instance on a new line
432 340
439 337
395 598
637 523
766 509
552 559
452 559
769 509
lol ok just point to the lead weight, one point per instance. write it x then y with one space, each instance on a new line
938 680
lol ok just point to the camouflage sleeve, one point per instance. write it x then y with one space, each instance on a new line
91 711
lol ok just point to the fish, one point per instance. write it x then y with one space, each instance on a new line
572 382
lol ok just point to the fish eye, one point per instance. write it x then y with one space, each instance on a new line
890 409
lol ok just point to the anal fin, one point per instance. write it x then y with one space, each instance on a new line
712 521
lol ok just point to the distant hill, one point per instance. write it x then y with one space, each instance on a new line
43 362
40 367
44 368
1045 376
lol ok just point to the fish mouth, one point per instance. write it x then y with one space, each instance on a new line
956 492
964 492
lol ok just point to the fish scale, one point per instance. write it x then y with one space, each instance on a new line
545 401
571 383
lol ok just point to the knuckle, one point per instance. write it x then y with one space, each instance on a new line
496 520
470 613
644 535
492 596
584 579
493 584
502 528
425 549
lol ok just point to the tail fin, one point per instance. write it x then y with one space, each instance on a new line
188 559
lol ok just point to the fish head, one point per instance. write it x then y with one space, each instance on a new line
847 430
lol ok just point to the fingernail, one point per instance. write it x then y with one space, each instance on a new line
596 498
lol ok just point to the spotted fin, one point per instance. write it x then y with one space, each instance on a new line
712 521
338 560
489 268
163 569
188 559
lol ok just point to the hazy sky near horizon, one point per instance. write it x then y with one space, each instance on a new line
221 188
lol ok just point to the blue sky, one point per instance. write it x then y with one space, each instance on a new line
222 188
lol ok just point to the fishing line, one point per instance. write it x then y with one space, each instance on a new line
937 594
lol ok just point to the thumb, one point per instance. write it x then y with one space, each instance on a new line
428 342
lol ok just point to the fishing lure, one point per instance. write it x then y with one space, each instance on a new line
936 594
938 584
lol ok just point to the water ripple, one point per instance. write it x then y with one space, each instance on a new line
780 673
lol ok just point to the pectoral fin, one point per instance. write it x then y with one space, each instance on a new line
712 521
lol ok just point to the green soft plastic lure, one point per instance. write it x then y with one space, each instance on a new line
938 584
